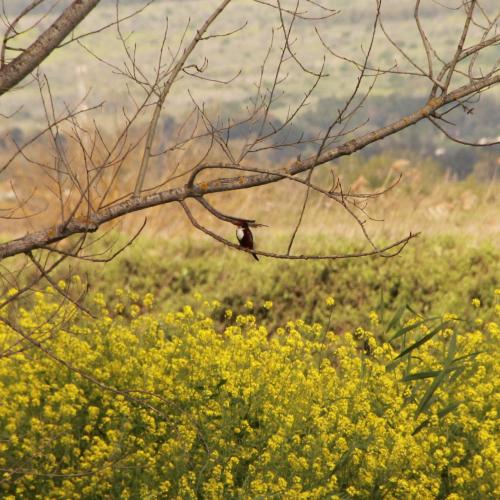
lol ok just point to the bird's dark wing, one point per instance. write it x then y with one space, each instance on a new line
247 240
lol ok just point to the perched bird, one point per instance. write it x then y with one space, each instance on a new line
245 236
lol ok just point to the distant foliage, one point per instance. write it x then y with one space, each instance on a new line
192 410
417 277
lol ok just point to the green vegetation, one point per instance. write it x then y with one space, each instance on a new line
430 275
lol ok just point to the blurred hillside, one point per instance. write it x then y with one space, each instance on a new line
85 73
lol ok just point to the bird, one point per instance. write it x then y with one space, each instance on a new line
245 236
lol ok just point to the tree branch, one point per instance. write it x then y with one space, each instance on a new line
13 72
47 236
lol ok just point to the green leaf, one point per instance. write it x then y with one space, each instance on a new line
430 373
423 340
452 348
441 414
449 409
420 375
458 371
465 356
395 319
408 328
427 398
413 311
419 427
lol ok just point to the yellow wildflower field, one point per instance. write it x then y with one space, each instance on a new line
134 403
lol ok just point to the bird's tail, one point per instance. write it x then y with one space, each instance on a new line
255 256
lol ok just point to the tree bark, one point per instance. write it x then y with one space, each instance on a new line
17 69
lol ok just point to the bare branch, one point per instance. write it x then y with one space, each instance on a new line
30 58
461 141
399 245
53 234
469 11
165 91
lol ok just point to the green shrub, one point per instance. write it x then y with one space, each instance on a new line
431 274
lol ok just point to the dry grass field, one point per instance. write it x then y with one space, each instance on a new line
426 199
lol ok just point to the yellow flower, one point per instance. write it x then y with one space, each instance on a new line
330 301
244 412
374 320
450 317
148 300
134 310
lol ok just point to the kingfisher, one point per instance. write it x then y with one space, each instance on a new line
245 236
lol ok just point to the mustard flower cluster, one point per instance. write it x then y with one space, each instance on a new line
137 404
